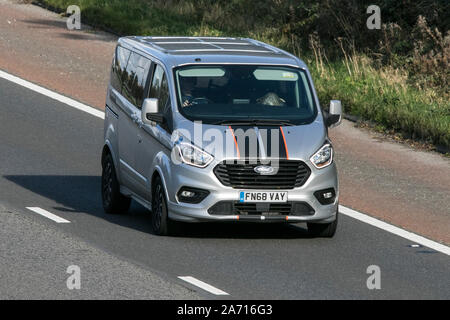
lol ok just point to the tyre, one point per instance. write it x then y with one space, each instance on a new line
323 230
113 201
161 224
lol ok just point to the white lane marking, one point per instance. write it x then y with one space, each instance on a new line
395 230
204 286
347 211
48 215
51 94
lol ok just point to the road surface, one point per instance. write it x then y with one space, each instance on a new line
390 181
50 159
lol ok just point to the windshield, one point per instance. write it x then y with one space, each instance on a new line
245 93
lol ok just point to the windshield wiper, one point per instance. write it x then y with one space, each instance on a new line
273 122
256 122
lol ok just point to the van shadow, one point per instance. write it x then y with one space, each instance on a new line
241 230
81 195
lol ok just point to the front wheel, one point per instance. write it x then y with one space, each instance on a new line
323 230
161 224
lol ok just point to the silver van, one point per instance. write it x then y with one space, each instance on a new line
217 129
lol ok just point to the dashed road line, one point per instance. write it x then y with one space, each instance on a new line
203 285
48 215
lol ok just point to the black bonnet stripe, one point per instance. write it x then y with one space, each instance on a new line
246 137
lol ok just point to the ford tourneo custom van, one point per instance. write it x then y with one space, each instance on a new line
217 129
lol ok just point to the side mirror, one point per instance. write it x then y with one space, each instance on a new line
334 117
150 112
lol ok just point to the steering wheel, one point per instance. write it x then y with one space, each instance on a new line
201 101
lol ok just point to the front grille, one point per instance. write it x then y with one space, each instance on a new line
257 208
268 209
241 175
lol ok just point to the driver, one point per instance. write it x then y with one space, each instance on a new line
187 86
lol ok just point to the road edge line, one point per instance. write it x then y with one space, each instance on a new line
344 210
394 230
53 95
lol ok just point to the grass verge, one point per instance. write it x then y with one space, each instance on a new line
382 95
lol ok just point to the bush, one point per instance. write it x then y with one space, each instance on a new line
397 76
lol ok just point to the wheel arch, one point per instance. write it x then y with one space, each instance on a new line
107 149
157 173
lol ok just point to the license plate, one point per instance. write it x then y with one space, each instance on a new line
263 196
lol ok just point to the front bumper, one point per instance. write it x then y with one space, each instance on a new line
184 175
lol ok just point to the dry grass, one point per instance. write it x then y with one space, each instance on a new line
397 77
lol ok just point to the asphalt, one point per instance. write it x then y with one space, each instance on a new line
50 158
399 184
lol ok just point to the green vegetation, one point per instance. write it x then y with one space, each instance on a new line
397 77
384 96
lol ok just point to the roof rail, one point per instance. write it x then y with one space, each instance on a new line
206 44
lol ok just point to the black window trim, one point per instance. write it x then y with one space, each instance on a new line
311 88
168 126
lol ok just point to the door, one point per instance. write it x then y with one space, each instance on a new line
118 105
151 138
130 104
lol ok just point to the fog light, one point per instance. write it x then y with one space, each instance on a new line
192 195
187 194
326 196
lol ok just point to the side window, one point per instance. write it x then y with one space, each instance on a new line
164 96
156 82
137 71
160 88
118 72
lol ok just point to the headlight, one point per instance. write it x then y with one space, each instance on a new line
193 156
323 157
